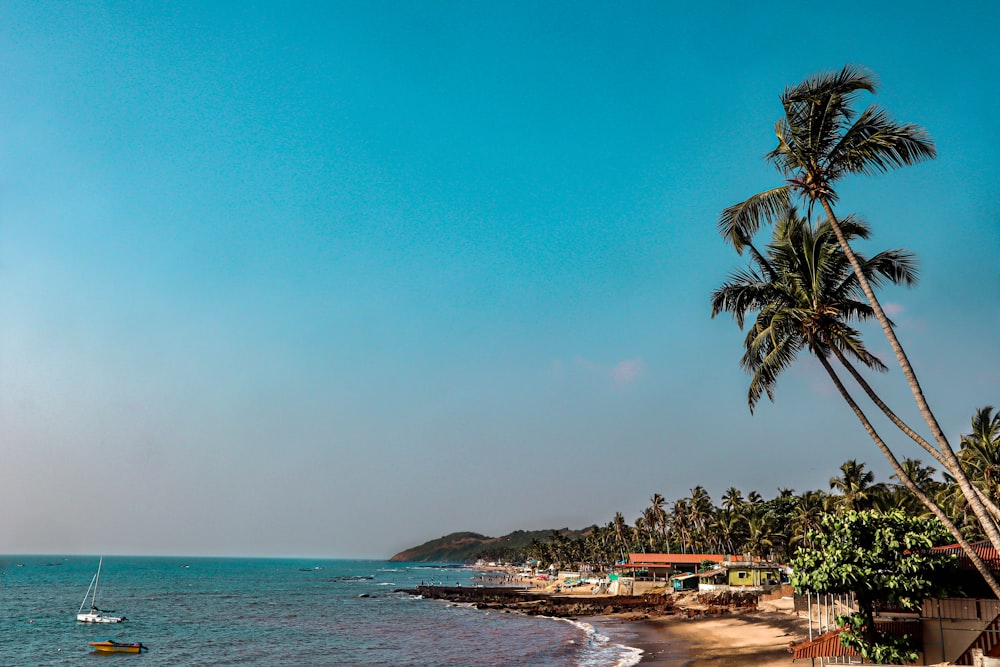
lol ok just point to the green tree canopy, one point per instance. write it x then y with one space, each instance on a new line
882 559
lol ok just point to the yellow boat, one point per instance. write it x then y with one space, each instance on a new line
111 646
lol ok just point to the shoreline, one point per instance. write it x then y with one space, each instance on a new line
759 639
671 630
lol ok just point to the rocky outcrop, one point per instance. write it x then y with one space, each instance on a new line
545 604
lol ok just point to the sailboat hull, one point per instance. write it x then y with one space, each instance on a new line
99 618
93 616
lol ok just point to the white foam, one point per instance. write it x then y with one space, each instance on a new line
627 655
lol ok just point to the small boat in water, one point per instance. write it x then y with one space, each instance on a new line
111 646
95 615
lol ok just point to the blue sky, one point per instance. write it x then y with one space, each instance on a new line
332 281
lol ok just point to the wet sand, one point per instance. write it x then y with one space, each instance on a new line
760 639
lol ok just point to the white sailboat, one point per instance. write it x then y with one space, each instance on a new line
95 615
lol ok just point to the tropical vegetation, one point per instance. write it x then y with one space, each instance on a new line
810 284
885 559
776 527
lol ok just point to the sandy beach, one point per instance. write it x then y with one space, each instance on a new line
760 639
701 638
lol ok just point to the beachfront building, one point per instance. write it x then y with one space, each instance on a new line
704 571
958 631
661 567
742 576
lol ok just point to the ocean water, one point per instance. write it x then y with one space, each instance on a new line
216 611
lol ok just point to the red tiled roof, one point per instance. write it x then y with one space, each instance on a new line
828 645
824 646
986 552
713 573
668 559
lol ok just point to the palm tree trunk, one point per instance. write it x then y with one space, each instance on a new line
989 526
913 488
916 437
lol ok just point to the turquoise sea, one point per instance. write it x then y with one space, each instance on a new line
220 611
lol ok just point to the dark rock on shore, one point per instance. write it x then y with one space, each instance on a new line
544 604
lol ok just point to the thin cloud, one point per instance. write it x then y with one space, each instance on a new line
622 374
893 309
626 372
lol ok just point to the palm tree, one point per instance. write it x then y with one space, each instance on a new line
732 498
658 505
760 533
854 485
729 529
980 451
821 139
700 511
923 478
808 514
805 294
621 534
681 524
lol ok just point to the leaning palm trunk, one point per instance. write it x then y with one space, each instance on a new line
990 506
952 463
967 547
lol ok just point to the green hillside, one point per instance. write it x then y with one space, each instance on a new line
470 547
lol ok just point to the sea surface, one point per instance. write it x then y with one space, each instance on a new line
220 611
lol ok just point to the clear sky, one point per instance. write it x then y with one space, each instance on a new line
336 279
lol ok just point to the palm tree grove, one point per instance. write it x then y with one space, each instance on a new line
804 289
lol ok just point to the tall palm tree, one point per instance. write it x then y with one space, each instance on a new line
730 528
980 451
923 478
760 533
682 524
805 294
808 514
854 485
622 534
658 505
821 139
732 498
700 511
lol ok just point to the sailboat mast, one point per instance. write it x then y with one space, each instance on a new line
97 580
84 601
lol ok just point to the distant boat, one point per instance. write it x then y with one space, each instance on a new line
95 615
111 646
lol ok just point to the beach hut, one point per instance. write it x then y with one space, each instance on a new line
685 582
753 575
662 566
712 580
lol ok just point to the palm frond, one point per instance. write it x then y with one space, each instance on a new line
852 226
848 340
818 110
802 293
844 85
900 267
739 223
875 144
743 293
